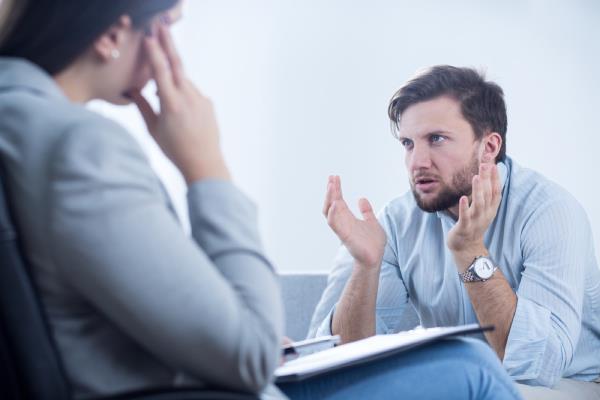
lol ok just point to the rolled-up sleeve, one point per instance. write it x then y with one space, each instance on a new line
556 244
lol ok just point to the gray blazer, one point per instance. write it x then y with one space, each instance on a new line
132 301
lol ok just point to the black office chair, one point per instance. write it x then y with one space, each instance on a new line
30 366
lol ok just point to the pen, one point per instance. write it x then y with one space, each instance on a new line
309 346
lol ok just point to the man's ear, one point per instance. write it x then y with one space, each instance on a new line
492 143
109 44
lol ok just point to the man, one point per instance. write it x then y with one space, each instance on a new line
479 239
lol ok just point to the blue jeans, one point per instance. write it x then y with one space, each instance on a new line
449 369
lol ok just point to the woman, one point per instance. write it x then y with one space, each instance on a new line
132 302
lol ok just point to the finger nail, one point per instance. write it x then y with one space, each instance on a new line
164 19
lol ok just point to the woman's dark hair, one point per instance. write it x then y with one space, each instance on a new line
481 101
53 33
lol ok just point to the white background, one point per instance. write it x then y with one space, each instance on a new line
301 90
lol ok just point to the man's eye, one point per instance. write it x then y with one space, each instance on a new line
406 142
437 138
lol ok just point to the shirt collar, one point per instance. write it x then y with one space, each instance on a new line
502 174
18 73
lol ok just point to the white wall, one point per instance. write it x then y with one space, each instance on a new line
301 89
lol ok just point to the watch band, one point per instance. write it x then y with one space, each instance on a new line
471 276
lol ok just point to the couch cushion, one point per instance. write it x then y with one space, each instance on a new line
301 293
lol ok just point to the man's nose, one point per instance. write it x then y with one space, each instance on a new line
419 158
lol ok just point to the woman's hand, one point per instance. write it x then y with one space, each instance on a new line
185 128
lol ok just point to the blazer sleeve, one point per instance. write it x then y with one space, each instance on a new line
207 305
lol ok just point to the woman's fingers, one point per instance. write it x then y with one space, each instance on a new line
170 51
145 108
160 69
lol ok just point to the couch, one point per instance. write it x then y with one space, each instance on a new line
301 292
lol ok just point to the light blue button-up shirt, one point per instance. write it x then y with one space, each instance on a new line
540 239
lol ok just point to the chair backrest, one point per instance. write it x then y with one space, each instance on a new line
31 367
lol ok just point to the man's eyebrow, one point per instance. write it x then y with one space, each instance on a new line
430 133
439 132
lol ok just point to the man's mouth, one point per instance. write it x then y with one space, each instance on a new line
425 184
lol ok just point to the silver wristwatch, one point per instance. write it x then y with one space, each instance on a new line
481 269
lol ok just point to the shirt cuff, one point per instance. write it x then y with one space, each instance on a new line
527 340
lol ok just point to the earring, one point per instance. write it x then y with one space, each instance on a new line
114 53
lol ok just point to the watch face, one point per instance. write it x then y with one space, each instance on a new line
484 268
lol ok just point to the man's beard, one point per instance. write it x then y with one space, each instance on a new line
450 195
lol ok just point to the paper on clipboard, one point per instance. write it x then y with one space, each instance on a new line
366 350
